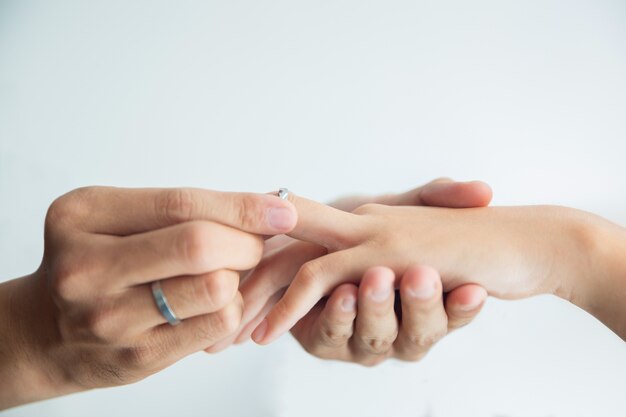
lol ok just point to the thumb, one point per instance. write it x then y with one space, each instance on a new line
443 192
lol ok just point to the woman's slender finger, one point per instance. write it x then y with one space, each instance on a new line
376 325
324 225
326 333
274 273
314 280
248 327
424 319
463 304
190 248
125 211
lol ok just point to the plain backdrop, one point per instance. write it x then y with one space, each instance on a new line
329 98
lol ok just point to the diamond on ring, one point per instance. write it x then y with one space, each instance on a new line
283 193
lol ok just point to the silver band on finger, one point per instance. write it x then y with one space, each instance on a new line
283 193
163 305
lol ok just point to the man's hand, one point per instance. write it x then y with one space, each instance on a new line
87 318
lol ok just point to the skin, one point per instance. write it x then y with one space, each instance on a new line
334 330
512 252
329 331
86 318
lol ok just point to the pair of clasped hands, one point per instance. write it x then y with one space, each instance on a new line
362 280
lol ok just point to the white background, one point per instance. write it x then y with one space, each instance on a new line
328 98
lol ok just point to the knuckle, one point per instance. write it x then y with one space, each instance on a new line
227 320
195 243
58 212
377 345
368 208
334 336
217 289
101 325
65 279
310 273
68 207
176 205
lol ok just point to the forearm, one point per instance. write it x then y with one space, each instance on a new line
27 373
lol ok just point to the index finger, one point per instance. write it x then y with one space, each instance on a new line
315 279
324 225
125 211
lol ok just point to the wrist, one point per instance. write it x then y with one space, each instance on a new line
28 371
598 279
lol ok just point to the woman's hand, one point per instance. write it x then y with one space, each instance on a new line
513 252
401 324
87 317
266 284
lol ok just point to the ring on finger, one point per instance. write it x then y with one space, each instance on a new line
163 305
283 193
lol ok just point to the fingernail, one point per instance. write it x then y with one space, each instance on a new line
470 306
348 304
281 218
381 294
424 291
259 333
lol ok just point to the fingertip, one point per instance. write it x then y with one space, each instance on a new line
466 299
456 194
258 335
377 283
248 328
282 217
379 273
482 191
268 330
421 282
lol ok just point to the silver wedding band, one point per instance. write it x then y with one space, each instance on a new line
163 305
